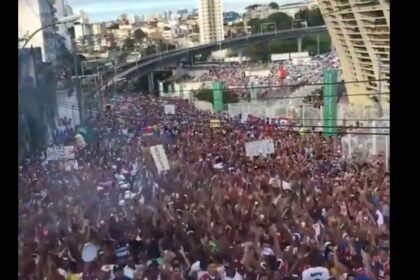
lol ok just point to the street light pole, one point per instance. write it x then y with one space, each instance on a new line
60 21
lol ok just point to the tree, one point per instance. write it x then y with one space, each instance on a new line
282 20
255 25
313 17
129 44
274 5
139 35
252 7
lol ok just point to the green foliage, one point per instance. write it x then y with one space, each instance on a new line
207 95
139 35
262 51
274 5
152 49
129 44
252 7
312 16
281 20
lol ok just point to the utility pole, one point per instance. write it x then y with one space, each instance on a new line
101 94
77 83
317 39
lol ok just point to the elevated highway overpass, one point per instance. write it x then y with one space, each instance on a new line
149 63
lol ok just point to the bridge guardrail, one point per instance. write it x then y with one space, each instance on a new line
290 33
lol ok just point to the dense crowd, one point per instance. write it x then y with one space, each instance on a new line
299 213
307 72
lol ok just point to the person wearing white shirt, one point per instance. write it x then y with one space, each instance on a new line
316 271
230 273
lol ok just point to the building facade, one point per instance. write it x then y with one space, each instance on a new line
37 101
293 8
33 14
62 11
360 35
210 17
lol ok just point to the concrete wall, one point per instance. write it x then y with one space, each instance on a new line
183 90
203 105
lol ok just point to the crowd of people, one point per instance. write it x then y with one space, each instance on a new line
299 213
298 73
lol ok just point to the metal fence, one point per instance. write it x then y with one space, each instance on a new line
305 114
366 134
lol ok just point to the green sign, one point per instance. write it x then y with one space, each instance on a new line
217 97
253 91
330 102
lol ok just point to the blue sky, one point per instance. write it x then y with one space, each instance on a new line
99 10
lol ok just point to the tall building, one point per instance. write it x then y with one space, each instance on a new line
98 29
83 30
133 19
210 18
34 14
84 17
360 35
62 29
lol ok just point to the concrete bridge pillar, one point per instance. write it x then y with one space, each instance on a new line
151 82
300 44
240 54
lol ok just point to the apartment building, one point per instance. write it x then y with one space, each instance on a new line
34 14
359 31
210 18
63 29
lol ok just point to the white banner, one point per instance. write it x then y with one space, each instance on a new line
60 153
260 147
169 109
280 56
160 158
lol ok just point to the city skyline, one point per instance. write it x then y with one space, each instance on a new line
105 10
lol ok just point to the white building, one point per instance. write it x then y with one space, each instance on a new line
264 11
132 19
98 29
33 14
84 17
260 12
62 10
82 30
210 18
293 8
